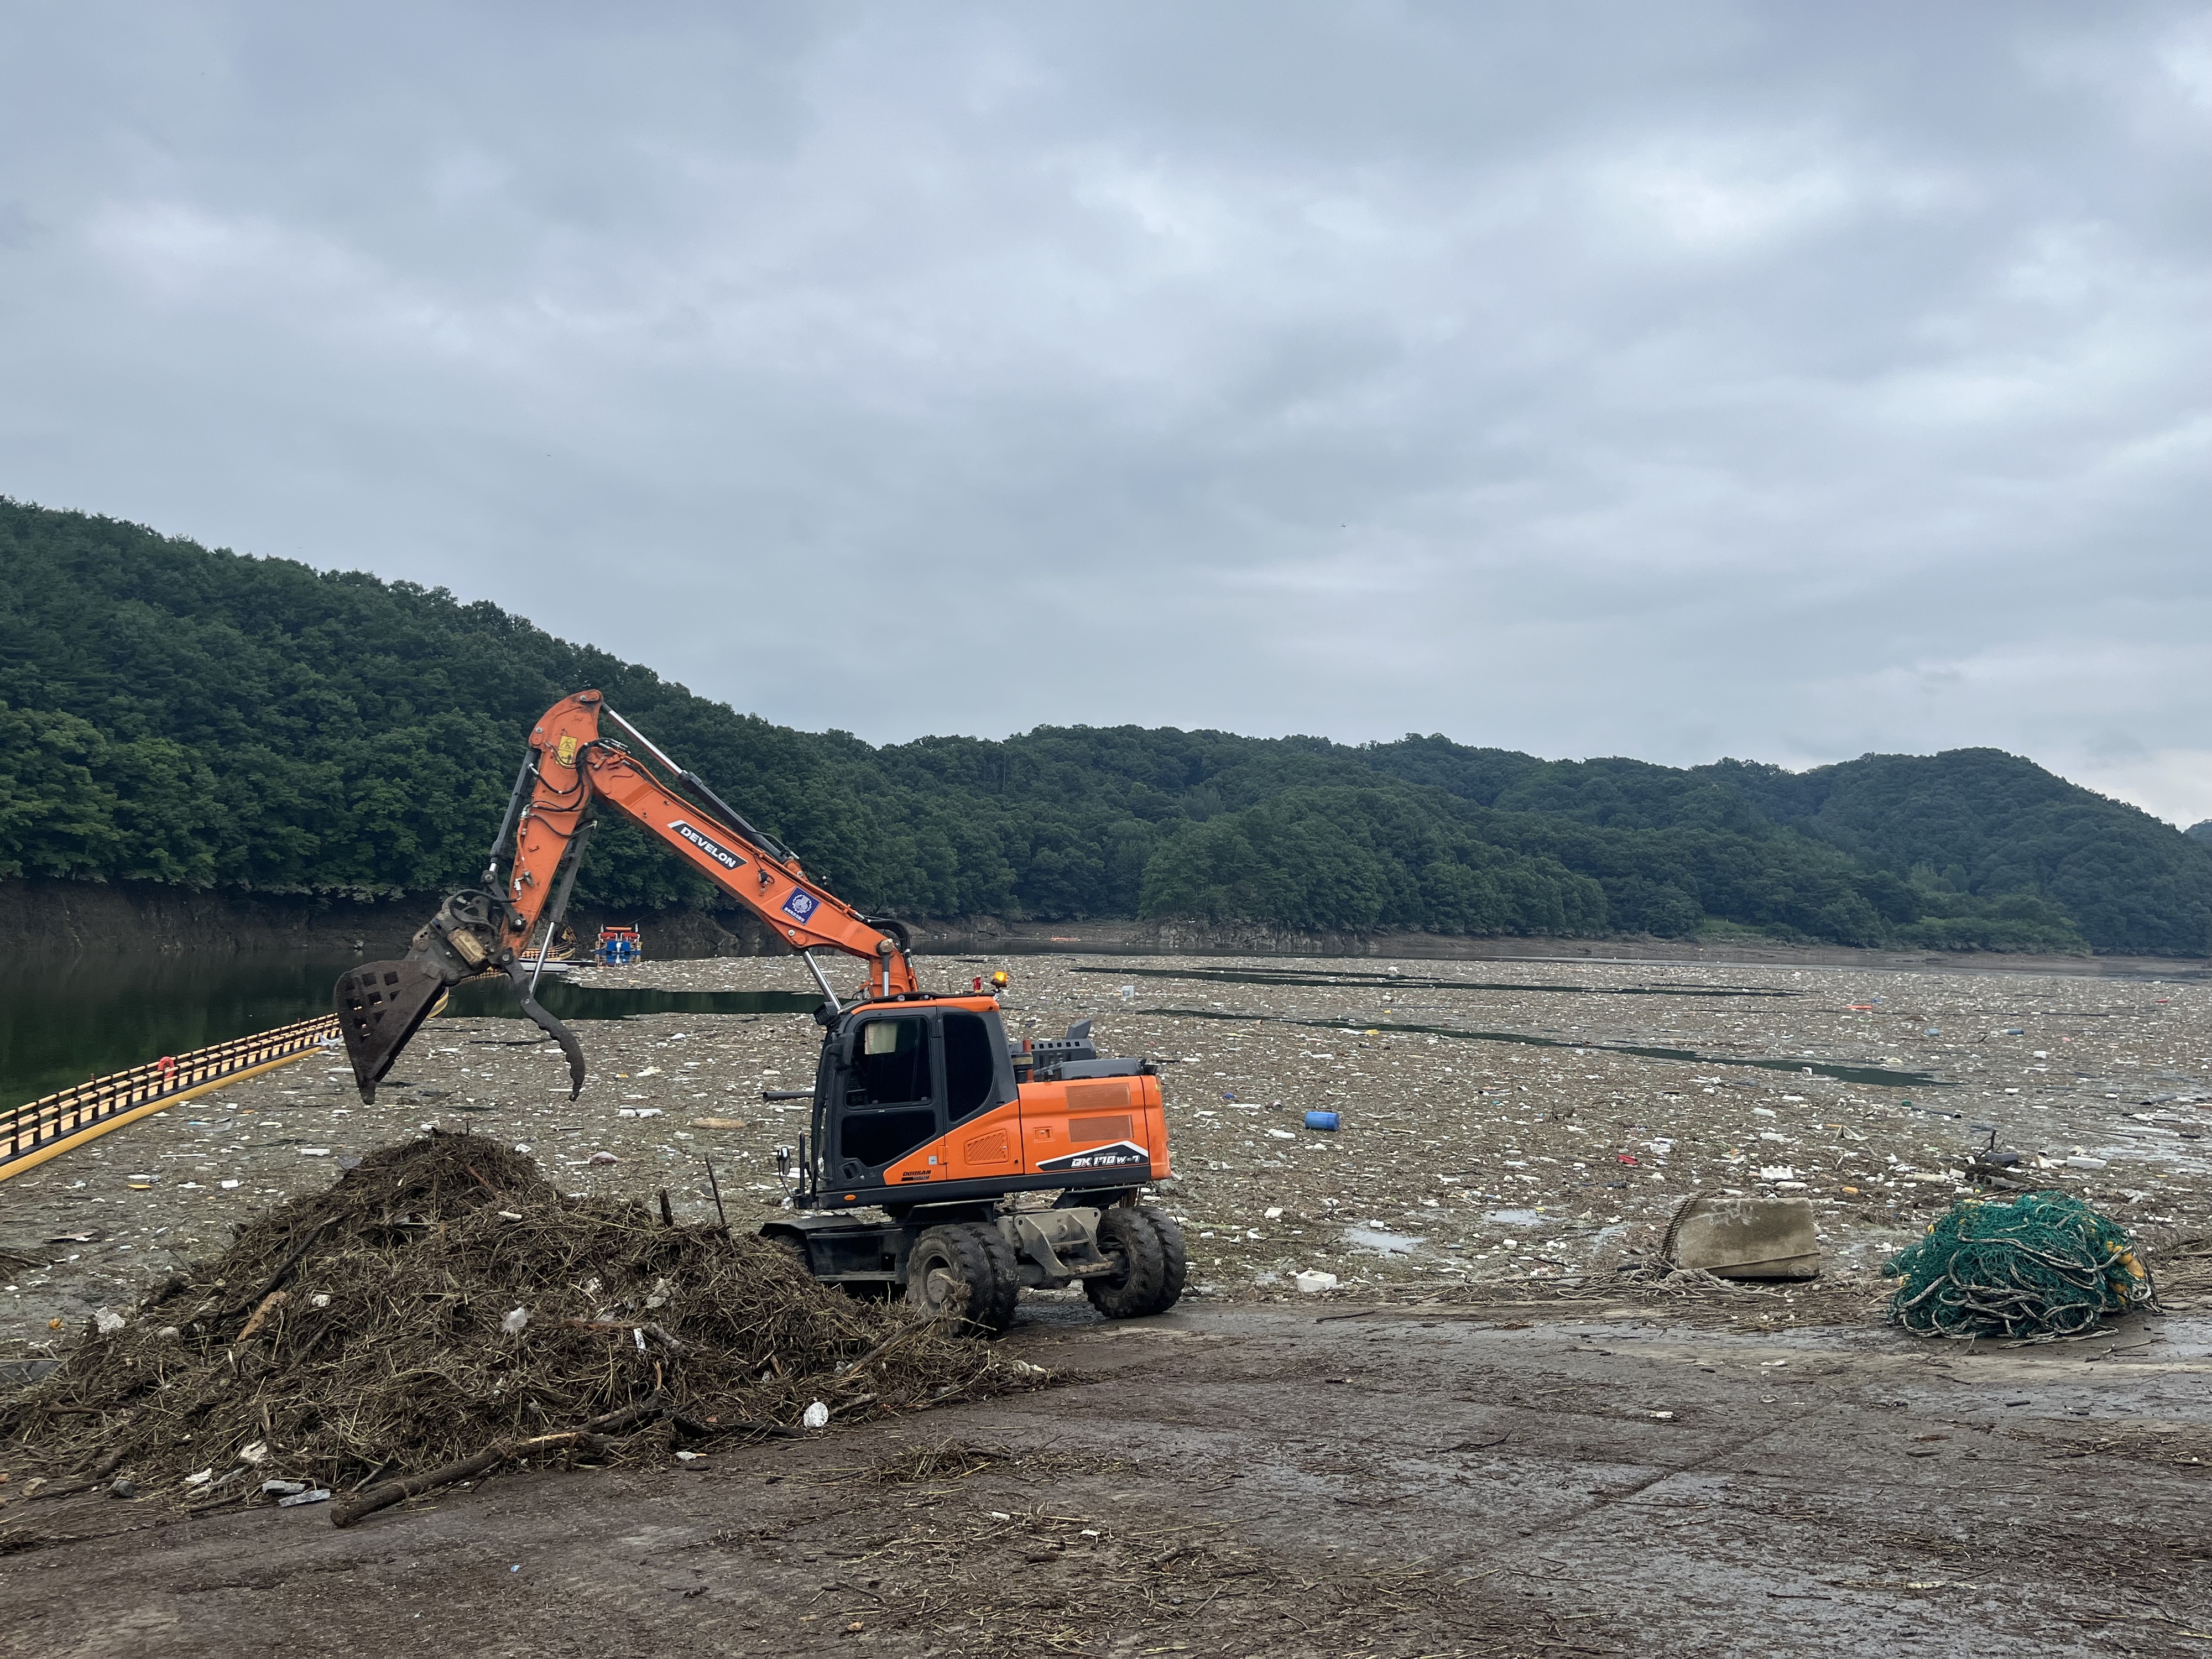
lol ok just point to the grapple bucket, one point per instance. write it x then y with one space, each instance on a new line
381 1005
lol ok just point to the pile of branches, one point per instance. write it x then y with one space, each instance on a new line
2040 1269
442 1305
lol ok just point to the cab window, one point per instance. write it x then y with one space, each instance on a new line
891 1099
970 1067
890 1064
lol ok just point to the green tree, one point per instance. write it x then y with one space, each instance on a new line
175 714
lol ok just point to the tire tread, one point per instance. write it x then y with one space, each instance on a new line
1174 1259
1128 1232
983 1261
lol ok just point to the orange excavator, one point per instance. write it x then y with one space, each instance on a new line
942 1160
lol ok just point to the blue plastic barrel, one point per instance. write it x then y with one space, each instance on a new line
1320 1120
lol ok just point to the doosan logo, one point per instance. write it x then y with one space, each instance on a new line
706 844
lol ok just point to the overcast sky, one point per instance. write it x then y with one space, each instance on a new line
1679 380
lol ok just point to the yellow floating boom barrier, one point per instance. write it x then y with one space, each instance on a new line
54 1123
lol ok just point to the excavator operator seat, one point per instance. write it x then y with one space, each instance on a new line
891 1107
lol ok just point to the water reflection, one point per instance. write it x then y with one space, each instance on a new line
64 1021
495 997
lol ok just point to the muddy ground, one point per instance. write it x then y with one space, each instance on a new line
1255 1480
1459 1450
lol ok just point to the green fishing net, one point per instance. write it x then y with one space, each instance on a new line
2041 1267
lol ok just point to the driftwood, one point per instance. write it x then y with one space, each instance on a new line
412 1260
108 1463
269 1303
395 1492
590 1438
884 1348
653 1331
715 1187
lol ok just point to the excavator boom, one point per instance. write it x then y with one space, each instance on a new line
571 769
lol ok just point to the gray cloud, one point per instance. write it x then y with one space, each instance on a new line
1667 381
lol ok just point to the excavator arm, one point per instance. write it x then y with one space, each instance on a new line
571 769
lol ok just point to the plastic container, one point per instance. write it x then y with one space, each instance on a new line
1320 1120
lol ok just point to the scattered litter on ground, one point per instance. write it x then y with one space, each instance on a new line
1536 1123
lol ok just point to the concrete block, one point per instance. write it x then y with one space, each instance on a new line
1747 1237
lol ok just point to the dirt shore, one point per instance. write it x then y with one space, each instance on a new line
1276 1480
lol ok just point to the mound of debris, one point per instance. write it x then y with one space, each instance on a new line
440 1303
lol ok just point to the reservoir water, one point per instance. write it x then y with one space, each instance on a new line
68 1018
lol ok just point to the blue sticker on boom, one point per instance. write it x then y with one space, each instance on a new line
801 904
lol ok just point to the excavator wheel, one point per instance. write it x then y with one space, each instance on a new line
969 1265
1130 1238
1174 1261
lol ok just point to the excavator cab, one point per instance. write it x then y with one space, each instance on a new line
902 1077
994 1165
924 1101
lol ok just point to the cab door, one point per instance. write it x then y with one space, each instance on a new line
889 1098
983 1104
925 1095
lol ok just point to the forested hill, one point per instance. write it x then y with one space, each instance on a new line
176 715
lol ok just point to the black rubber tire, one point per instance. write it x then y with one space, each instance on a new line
1175 1260
1128 1238
968 1263
1005 1276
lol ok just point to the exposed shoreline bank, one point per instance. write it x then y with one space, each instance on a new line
77 918
1120 937
71 918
